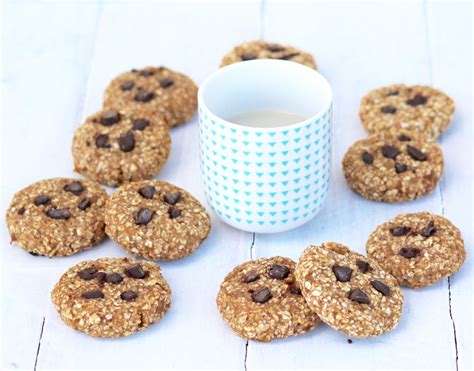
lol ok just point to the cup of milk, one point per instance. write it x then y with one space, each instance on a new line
265 143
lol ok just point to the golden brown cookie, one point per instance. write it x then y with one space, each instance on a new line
158 90
349 292
417 249
260 300
156 220
116 147
418 108
111 297
57 217
260 49
393 167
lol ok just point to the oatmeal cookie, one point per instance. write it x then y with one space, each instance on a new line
116 147
417 249
158 90
156 220
393 167
260 300
57 217
418 108
260 49
111 297
349 292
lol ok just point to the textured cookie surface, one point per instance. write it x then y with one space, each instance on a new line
423 109
393 167
260 49
111 297
349 292
260 300
116 147
418 249
57 217
157 90
156 220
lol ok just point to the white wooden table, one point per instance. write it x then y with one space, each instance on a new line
59 57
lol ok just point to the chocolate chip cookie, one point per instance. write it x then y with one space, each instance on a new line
57 217
393 167
417 249
116 147
260 300
157 90
156 220
111 297
349 292
418 108
260 49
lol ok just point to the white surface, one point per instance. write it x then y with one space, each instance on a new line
58 58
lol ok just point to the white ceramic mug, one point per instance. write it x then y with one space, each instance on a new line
265 179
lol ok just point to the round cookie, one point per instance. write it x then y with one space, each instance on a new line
260 49
260 300
418 108
156 220
116 147
417 249
393 167
158 90
57 217
111 297
349 292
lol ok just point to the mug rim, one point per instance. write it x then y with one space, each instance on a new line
220 71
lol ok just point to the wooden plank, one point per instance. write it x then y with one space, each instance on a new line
359 46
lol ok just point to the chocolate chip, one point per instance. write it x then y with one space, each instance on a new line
429 229
409 252
127 142
147 192
144 96
275 48
140 124
390 151
172 197
389 109
110 118
248 56
252 277
380 287
21 211
289 56
85 203
349 341
146 73
127 85
166 82
363 266
393 92
42 200
102 141
143 216
295 289
128 295
94 294
174 212
404 138
343 274
74 187
135 271
262 295
367 158
100 276
400 231
114 278
416 154
400 168
279 272
359 296
417 100
60 214
87 274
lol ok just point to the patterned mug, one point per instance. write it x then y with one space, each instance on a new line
269 179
